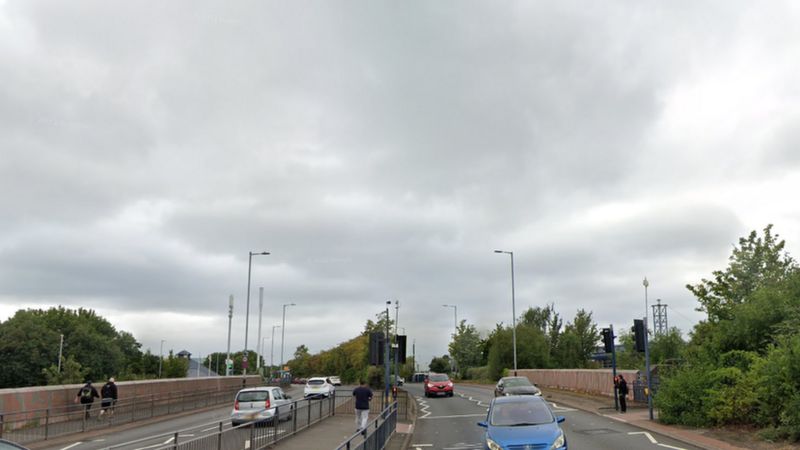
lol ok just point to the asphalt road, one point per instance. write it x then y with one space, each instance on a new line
450 423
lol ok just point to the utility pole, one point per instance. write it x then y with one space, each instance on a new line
396 344
646 284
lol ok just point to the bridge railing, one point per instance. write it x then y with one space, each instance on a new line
377 433
42 424
288 420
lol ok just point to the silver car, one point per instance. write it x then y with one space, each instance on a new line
261 404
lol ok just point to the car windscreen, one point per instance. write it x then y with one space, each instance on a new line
515 382
520 414
253 396
438 378
316 382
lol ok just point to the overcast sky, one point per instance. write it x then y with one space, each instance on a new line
382 151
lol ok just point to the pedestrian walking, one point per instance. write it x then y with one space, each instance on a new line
363 395
86 396
108 397
622 388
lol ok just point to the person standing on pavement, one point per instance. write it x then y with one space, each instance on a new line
86 396
363 395
108 397
622 388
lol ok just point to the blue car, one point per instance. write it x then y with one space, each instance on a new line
523 422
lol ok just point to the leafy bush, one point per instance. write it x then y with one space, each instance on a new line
730 397
680 398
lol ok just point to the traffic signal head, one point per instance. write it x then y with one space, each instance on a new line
638 334
608 340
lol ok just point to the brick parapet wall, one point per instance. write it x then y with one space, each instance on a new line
61 397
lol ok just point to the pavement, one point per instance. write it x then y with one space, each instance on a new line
637 415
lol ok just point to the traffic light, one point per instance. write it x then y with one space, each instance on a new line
608 340
638 334
376 348
401 349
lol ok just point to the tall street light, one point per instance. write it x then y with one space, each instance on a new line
455 331
247 314
160 357
260 341
272 350
646 284
513 309
230 319
283 329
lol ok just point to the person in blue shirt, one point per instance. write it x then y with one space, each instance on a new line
363 395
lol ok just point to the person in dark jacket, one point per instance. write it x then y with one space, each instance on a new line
108 397
363 395
86 396
622 388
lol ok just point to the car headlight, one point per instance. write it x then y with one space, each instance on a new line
559 442
493 445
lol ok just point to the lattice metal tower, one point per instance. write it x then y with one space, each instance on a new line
660 326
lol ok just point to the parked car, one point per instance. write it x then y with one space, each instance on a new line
438 384
8 445
336 381
515 386
318 387
522 421
261 404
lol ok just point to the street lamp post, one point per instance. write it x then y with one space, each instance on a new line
160 357
455 332
646 284
396 343
513 310
230 318
260 341
272 350
386 362
60 352
283 329
260 355
247 308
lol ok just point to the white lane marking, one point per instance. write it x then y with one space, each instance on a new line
209 429
169 440
654 441
648 435
98 440
418 446
423 407
73 445
454 417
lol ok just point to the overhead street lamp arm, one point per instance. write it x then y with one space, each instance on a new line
247 309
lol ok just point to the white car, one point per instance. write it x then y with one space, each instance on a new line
334 380
261 404
318 387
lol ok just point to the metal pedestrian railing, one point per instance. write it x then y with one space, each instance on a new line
377 433
42 424
287 420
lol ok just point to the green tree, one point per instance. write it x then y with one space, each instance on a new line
440 364
465 347
71 372
175 367
757 262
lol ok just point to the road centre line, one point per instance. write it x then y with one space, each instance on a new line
72 445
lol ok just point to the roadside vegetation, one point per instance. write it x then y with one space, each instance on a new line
93 349
742 364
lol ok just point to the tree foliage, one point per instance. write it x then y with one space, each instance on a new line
741 365
93 348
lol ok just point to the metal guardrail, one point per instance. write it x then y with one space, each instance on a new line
377 433
291 419
42 424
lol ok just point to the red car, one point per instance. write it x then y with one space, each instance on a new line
438 384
